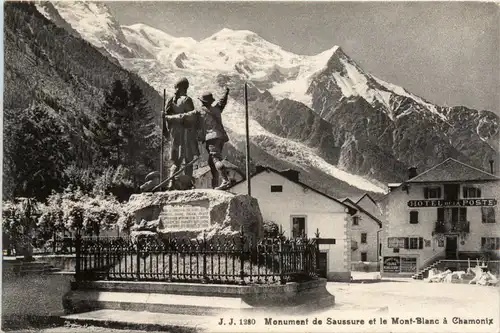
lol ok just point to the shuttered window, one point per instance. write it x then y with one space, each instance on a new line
471 192
452 214
414 243
432 192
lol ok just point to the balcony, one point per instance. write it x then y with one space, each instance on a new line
441 227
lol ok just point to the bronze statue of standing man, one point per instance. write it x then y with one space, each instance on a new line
181 132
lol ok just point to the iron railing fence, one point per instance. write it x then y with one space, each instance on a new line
228 260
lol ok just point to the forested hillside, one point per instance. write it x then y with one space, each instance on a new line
70 114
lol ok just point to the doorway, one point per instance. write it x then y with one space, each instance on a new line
451 192
323 264
451 248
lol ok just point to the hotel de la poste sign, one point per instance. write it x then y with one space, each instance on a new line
453 203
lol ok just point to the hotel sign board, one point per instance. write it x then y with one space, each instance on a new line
392 264
453 203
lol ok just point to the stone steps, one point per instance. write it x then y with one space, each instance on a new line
147 321
30 267
90 300
153 302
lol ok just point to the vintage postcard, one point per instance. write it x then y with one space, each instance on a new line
235 166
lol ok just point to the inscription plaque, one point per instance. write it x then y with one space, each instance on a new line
186 216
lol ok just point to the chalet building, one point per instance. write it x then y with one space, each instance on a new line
366 227
446 212
300 209
203 176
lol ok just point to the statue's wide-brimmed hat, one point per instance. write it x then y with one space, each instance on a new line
182 82
207 98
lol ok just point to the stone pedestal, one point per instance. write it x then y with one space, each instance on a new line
190 213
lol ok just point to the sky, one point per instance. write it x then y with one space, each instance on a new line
446 52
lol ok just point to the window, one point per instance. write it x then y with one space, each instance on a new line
414 243
471 192
363 256
276 188
490 243
488 214
363 238
432 192
355 220
396 242
414 217
298 226
408 265
452 214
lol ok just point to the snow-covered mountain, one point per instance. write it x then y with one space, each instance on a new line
354 127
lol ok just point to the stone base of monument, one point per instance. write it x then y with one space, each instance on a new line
190 213
208 301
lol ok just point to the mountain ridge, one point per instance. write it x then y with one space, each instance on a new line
364 126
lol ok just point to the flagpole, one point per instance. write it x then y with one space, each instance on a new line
249 187
162 135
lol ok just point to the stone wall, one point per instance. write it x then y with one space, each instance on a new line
32 296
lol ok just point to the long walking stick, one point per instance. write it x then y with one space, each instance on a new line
174 175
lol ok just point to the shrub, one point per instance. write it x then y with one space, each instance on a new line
271 229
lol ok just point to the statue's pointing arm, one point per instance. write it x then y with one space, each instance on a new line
223 101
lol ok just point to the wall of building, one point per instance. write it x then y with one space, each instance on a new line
367 204
321 213
397 217
370 227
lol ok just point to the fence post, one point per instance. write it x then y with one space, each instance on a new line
205 278
242 257
78 250
170 243
317 252
138 260
280 255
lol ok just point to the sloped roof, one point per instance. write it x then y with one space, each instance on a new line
281 173
452 170
366 195
361 209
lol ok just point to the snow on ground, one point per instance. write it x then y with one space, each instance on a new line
402 92
92 20
296 89
301 153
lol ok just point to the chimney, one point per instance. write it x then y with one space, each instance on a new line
412 172
491 166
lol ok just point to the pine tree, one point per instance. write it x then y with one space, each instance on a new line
39 152
110 120
140 133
